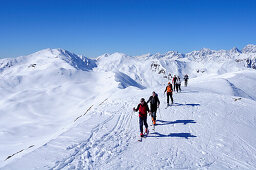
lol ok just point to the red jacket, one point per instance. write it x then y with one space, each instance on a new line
143 109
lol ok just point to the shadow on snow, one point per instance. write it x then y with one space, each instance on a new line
181 135
174 122
193 91
180 104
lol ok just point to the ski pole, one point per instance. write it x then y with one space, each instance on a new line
159 113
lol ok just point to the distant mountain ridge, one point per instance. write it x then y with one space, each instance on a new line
138 68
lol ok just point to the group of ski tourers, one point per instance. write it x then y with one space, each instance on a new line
155 102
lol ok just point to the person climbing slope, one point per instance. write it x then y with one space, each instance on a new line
143 111
186 80
154 104
174 82
168 89
178 84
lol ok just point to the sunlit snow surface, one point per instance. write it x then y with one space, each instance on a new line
59 110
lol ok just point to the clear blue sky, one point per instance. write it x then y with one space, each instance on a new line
134 27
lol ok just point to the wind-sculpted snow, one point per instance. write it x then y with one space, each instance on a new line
126 81
82 63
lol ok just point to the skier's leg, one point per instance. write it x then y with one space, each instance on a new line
152 118
171 97
154 115
141 124
167 97
145 121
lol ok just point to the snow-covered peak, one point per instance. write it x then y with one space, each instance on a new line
173 54
113 61
102 56
147 55
114 56
167 55
206 51
48 58
78 62
118 54
235 50
202 52
250 48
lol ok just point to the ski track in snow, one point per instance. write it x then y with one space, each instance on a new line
100 147
185 137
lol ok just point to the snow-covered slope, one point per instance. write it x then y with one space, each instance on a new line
42 94
60 110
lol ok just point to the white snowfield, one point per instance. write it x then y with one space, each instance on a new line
59 110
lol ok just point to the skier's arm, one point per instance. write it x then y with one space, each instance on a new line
149 99
158 101
148 109
136 108
165 89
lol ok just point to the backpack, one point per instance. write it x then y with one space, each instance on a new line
169 88
178 81
143 110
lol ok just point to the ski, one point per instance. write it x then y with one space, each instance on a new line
153 126
168 105
144 136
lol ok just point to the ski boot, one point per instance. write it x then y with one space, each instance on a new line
146 132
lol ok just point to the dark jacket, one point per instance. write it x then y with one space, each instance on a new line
174 80
186 77
143 109
154 101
